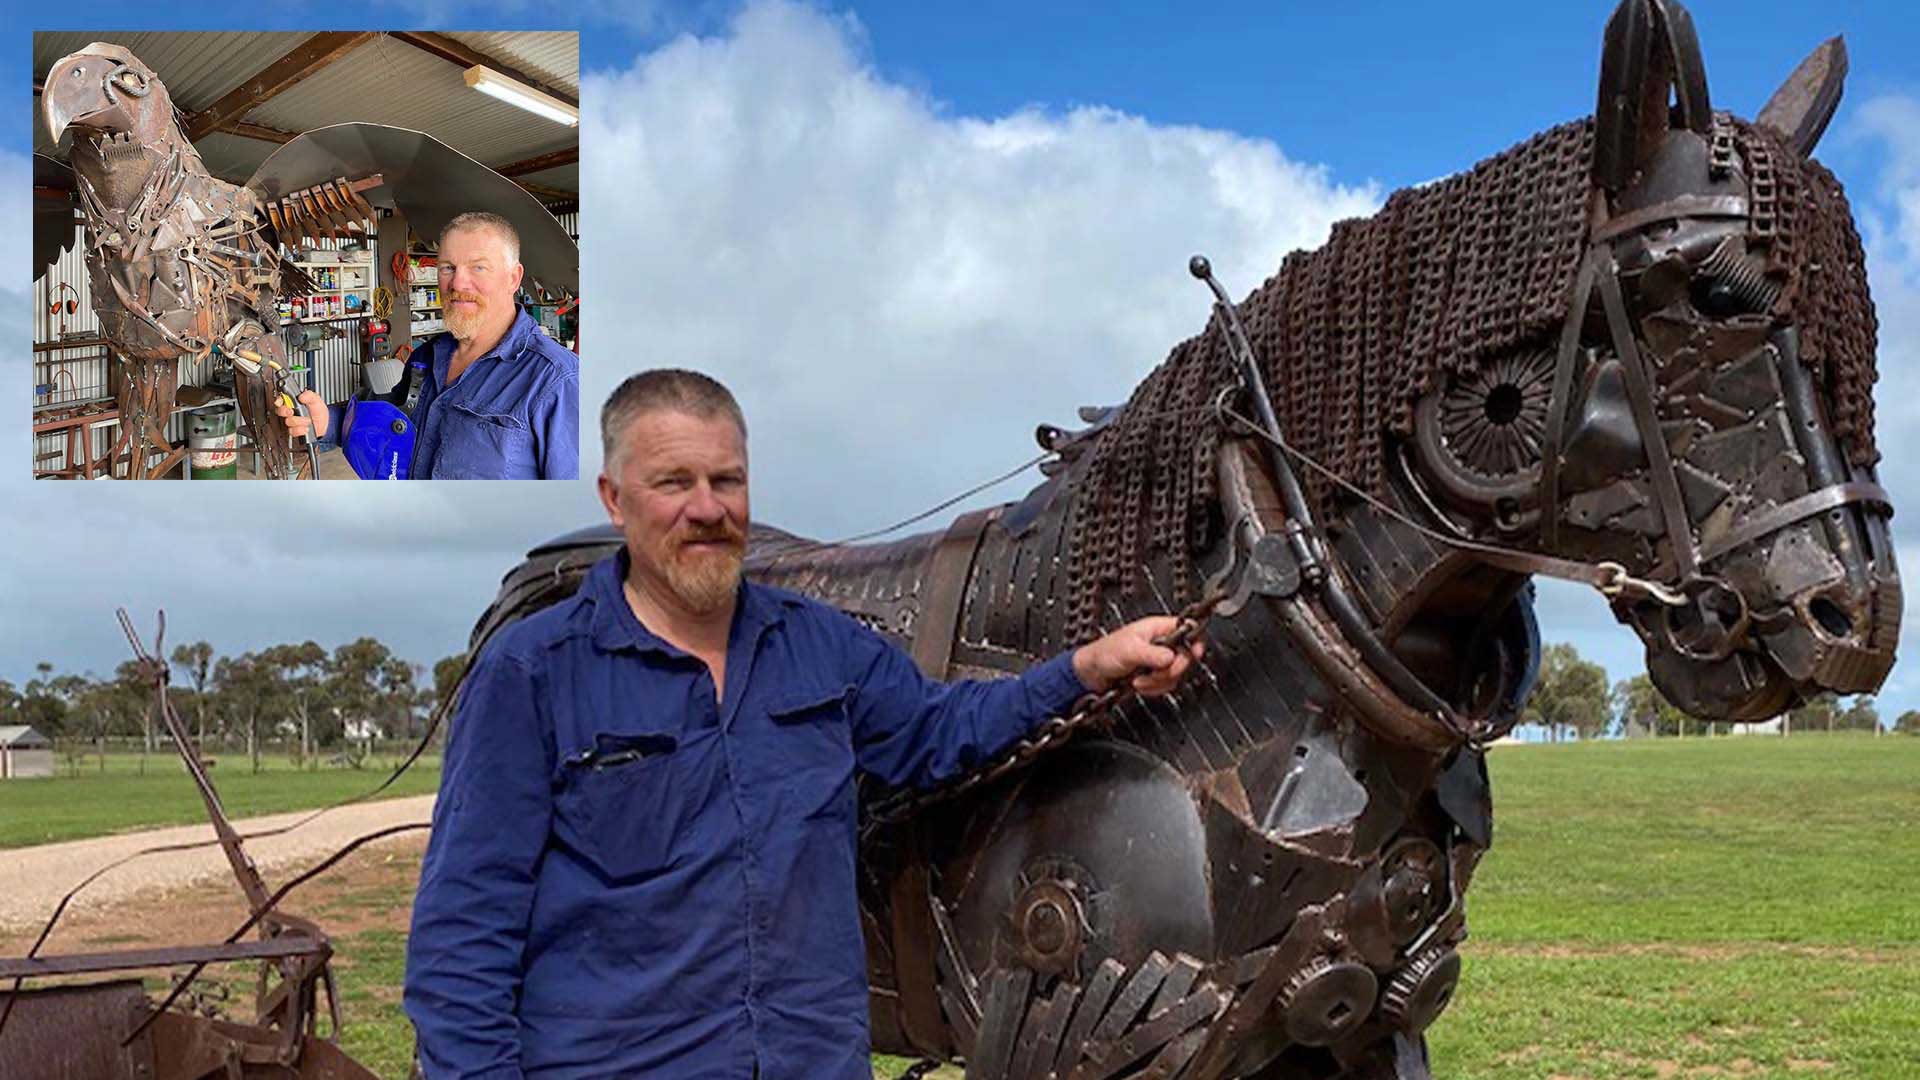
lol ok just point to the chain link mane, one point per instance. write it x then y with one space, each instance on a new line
1443 278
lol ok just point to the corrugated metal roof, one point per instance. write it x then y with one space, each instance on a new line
552 56
382 81
563 176
233 157
388 82
17 733
198 67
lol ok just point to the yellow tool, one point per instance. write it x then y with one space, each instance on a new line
252 363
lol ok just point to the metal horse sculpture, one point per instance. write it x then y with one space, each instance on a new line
1634 351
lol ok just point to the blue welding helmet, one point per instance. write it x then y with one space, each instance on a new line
377 439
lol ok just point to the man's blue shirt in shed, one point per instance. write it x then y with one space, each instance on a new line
629 878
514 414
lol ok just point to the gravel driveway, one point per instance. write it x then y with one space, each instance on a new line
33 879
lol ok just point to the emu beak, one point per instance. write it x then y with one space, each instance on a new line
74 91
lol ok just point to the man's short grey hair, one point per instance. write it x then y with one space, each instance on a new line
670 389
486 219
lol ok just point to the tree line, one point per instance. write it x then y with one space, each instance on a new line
1574 697
314 700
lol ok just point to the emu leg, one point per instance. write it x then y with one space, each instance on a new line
145 396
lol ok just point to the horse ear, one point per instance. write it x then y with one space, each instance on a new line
1800 109
1651 53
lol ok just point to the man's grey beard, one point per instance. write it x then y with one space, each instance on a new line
464 327
704 583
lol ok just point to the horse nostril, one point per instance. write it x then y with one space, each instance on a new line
1831 619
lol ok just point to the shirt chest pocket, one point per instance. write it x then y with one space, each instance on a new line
812 751
621 803
477 445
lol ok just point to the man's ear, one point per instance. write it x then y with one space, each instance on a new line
610 498
519 272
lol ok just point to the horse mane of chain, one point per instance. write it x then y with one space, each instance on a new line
1443 278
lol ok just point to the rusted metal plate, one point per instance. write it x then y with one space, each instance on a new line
73 1032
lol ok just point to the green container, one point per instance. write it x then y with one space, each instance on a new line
212 440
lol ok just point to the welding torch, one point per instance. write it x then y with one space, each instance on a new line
252 363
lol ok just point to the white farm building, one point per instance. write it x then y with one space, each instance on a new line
24 752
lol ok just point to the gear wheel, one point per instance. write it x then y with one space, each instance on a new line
1494 417
1418 992
1326 1001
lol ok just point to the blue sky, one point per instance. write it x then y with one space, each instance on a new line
906 233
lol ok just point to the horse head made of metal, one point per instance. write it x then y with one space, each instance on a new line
1704 418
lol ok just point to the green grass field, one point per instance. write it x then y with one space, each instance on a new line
1728 908
1695 908
97 803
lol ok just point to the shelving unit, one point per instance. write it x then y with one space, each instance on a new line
337 282
423 294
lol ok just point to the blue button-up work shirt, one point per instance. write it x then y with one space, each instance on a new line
514 414
629 878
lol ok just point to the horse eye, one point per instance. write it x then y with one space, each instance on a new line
1716 298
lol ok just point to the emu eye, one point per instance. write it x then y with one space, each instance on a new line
1717 298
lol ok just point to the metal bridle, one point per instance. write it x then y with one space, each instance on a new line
1704 593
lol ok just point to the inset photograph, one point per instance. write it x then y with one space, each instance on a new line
296 255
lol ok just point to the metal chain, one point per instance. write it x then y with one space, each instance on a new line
1090 710
1349 337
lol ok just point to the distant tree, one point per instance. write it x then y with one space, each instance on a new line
446 675
247 689
195 661
363 673
398 693
1572 694
45 702
1642 704
9 702
304 677
129 697
1820 713
1909 723
1860 715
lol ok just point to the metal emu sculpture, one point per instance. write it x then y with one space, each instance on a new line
1634 351
182 263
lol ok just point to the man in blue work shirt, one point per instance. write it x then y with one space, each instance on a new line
642 861
501 400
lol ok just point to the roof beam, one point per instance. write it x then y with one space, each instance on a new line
257 131
305 59
545 193
465 56
542 162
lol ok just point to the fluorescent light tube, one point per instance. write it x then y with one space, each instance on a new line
513 92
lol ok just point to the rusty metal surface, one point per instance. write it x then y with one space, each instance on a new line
130 959
178 262
64 1032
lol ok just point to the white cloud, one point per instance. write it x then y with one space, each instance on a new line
899 295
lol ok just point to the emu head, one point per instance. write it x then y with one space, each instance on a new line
1705 419
109 94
